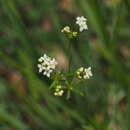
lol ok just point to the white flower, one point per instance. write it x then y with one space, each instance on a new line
58 91
81 21
66 29
84 73
47 65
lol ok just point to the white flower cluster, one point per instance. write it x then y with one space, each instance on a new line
66 29
47 65
84 73
81 21
58 91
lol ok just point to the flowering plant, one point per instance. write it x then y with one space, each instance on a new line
65 81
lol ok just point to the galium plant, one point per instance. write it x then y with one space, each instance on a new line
65 82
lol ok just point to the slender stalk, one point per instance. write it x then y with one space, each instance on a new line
69 67
70 56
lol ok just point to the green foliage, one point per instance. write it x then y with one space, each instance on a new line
29 28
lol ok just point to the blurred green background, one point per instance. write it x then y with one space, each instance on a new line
30 28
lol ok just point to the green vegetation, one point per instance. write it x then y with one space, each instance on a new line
30 28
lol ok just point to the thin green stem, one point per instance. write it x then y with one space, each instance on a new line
70 56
